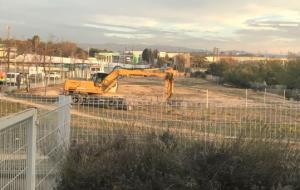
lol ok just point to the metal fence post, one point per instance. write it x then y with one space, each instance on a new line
68 120
207 98
65 117
284 96
246 98
265 94
31 154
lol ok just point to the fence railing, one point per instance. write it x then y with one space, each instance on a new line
32 147
101 117
33 142
17 151
93 122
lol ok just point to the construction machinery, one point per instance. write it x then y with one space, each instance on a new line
94 91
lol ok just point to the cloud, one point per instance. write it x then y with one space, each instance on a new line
229 24
129 36
110 27
129 21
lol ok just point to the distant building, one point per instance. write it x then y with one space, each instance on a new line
108 57
170 55
134 57
244 59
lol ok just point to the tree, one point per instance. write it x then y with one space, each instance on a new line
147 56
199 61
291 77
155 54
94 51
273 73
218 69
35 43
180 63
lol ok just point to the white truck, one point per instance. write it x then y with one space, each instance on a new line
54 75
12 79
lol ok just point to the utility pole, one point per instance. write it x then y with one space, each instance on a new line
8 49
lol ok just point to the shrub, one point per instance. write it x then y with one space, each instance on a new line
164 162
198 74
271 73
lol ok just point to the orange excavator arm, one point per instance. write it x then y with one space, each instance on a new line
168 76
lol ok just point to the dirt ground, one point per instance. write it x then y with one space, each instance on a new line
185 89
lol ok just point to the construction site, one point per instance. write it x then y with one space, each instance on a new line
50 106
132 104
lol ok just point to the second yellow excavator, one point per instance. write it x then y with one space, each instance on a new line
101 83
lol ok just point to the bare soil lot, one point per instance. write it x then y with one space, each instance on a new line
185 89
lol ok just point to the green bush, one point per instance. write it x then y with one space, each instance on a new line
198 74
270 73
163 162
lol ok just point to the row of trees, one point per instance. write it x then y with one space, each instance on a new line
42 48
245 75
94 51
49 48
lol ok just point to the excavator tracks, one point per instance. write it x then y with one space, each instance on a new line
110 102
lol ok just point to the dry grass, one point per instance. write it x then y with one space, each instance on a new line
165 162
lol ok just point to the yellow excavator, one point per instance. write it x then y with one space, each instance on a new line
93 91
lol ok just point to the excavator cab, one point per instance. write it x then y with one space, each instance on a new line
97 78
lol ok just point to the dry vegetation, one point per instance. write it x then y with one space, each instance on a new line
164 162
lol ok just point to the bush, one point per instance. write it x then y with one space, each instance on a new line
163 162
198 74
270 73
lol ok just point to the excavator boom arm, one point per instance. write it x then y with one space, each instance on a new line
167 75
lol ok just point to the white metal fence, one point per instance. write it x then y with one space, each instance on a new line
32 147
17 151
32 163
94 122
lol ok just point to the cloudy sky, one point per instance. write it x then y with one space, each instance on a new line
252 25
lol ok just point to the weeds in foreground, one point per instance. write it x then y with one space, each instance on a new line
164 162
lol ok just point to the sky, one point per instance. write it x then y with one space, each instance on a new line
264 26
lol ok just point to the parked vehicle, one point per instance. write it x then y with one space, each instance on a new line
12 79
54 75
36 77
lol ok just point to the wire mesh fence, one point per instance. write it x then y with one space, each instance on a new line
16 151
9 107
101 117
32 147
93 121
52 141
